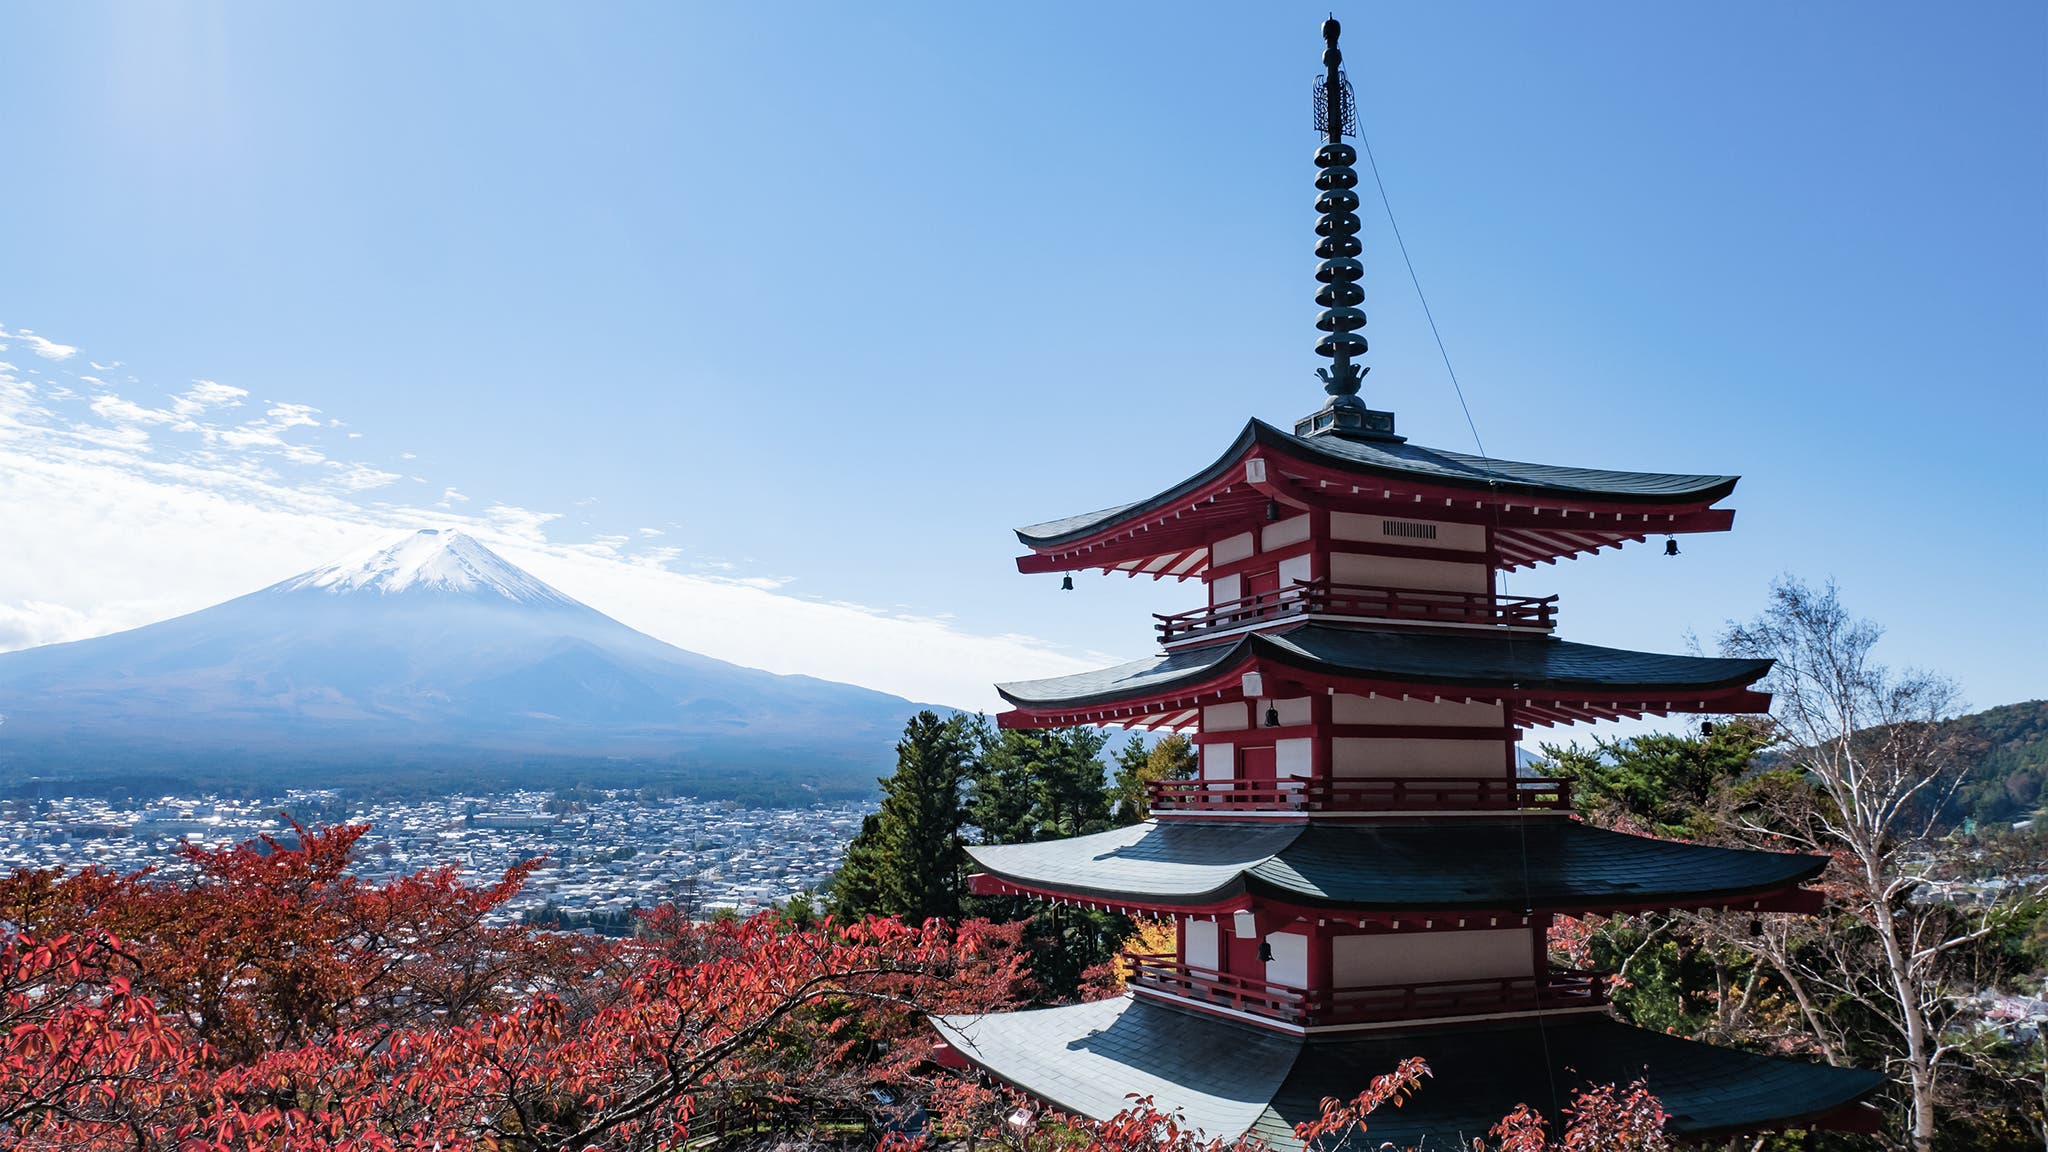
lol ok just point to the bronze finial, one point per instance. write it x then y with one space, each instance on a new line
1337 245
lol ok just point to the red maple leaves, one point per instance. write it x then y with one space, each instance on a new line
275 1001
271 1000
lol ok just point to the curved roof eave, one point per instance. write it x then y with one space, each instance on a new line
1074 527
1226 1077
1426 865
1413 463
1425 659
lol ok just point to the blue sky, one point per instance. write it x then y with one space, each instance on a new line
829 297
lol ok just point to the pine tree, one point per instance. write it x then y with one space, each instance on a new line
1047 785
1040 785
909 859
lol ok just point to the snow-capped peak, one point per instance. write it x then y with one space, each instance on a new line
431 559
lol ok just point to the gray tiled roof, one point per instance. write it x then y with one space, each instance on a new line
1423 864
1432 658
1414 462
1229 1078
1089 1059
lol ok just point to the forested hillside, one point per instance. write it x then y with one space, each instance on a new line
2007 748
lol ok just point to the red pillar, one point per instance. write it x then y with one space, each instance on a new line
1319 956
1320 753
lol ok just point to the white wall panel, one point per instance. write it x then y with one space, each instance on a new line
1407 572
1293 758
1449 535
1297 568
1282 533
1229 550
1294 711
1224 717
1219 761
1289 964
1424 957
1226 588
1357 756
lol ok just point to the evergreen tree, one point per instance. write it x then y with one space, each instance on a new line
1672 784
1040 785
856 889
1137 767
909 859
1048 785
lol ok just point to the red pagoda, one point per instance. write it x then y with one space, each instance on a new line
1360 873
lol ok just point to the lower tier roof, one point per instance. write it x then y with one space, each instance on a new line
1537 668
1230 1079
1540 863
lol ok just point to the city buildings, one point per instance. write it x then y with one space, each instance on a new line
608 852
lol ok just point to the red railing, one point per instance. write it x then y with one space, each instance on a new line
1561 988
1400 605
1406 794
1165 974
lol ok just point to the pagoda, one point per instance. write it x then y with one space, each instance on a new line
1360 872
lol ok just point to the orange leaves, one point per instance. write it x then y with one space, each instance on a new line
1340 1119
1601 1119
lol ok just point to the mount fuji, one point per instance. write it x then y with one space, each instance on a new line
428 664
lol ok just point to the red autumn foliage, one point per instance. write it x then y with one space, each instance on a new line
270 1000
1603 1119
274 1001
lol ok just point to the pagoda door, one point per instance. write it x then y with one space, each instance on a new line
1264 585
1257 768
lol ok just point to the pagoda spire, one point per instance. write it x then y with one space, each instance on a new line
1344 414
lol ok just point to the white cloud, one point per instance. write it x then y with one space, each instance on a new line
206 394
47 349
361 477
33 622
519 523
114 408
121 514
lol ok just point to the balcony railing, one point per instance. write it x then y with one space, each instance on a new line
1309 1008
1397 605
1407 794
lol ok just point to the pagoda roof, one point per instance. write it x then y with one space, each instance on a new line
1401 460
1412 866
1501 667
1230 1079
1416 478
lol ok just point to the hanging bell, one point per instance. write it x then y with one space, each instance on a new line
1272 510
1272 717
1265 952
1671 545
1756 927
1066 583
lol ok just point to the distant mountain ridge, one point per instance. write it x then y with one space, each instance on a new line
2007 748
427 663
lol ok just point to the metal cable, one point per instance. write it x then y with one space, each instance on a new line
1493 486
